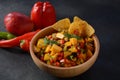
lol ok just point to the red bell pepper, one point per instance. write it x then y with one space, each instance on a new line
43 14
16 41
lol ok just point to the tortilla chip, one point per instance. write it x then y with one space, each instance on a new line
76 19
89 30
62 25
77 28
80 27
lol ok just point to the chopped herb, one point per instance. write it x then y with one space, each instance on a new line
67 35
71 57
53 42
75 36
47 41
72 36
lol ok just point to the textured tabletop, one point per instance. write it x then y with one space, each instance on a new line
103 15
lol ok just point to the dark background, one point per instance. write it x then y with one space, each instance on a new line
103 15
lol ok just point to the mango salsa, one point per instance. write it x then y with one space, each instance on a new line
72 45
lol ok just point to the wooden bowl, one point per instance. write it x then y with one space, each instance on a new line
62 71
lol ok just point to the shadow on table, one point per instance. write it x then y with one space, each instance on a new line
84 76
16 50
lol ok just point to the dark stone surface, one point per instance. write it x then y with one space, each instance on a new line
103 15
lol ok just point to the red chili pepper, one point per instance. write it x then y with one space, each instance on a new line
24 44
43 14
16 41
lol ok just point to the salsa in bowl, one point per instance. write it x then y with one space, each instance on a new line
63 53
63 49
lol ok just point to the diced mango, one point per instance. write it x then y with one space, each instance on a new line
48 48
47 56
65 48
54 57
40 43
73 41
68 44
36 49
52 53
55 48
67 53
73 49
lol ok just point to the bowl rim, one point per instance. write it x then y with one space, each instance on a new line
96 41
